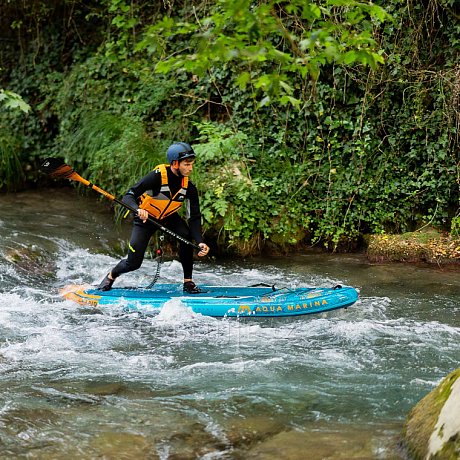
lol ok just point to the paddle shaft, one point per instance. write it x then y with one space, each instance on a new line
127 206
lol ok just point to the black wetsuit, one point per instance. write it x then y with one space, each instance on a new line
142 232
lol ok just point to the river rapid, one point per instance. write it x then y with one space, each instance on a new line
81 383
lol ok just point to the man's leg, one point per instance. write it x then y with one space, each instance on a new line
139 240
178 225
140 237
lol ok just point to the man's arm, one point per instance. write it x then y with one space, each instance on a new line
194 213
152 182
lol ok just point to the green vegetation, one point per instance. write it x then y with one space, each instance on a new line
10 164
13 101
316 122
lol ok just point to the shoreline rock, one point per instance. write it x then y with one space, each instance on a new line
429 246
432 428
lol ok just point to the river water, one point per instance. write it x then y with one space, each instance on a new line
82 383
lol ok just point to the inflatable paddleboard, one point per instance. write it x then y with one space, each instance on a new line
220 301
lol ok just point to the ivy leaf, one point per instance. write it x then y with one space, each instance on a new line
243 79
285 100
311 12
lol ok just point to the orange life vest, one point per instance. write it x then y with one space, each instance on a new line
164 204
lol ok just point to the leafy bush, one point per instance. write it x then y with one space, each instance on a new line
299 141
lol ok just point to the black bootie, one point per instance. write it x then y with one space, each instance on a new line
106 284
191 288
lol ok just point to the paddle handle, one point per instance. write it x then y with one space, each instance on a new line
134 210
99 190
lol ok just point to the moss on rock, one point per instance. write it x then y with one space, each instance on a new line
429 246
422 421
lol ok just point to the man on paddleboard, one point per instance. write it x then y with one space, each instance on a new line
160 194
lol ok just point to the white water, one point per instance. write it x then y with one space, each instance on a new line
83 383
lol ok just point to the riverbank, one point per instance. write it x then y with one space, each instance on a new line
427 246
430 246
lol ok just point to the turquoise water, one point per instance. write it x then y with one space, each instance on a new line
82 383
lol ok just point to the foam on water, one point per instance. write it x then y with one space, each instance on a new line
347 365
175 312
45 322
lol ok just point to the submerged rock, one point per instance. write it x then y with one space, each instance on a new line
432 429
122 445
321 443
33 260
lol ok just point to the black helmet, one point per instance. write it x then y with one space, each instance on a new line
179 151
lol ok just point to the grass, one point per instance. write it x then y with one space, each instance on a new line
116 150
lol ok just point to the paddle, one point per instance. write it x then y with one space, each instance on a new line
57 168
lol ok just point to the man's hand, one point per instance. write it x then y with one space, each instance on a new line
204 249
143 215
